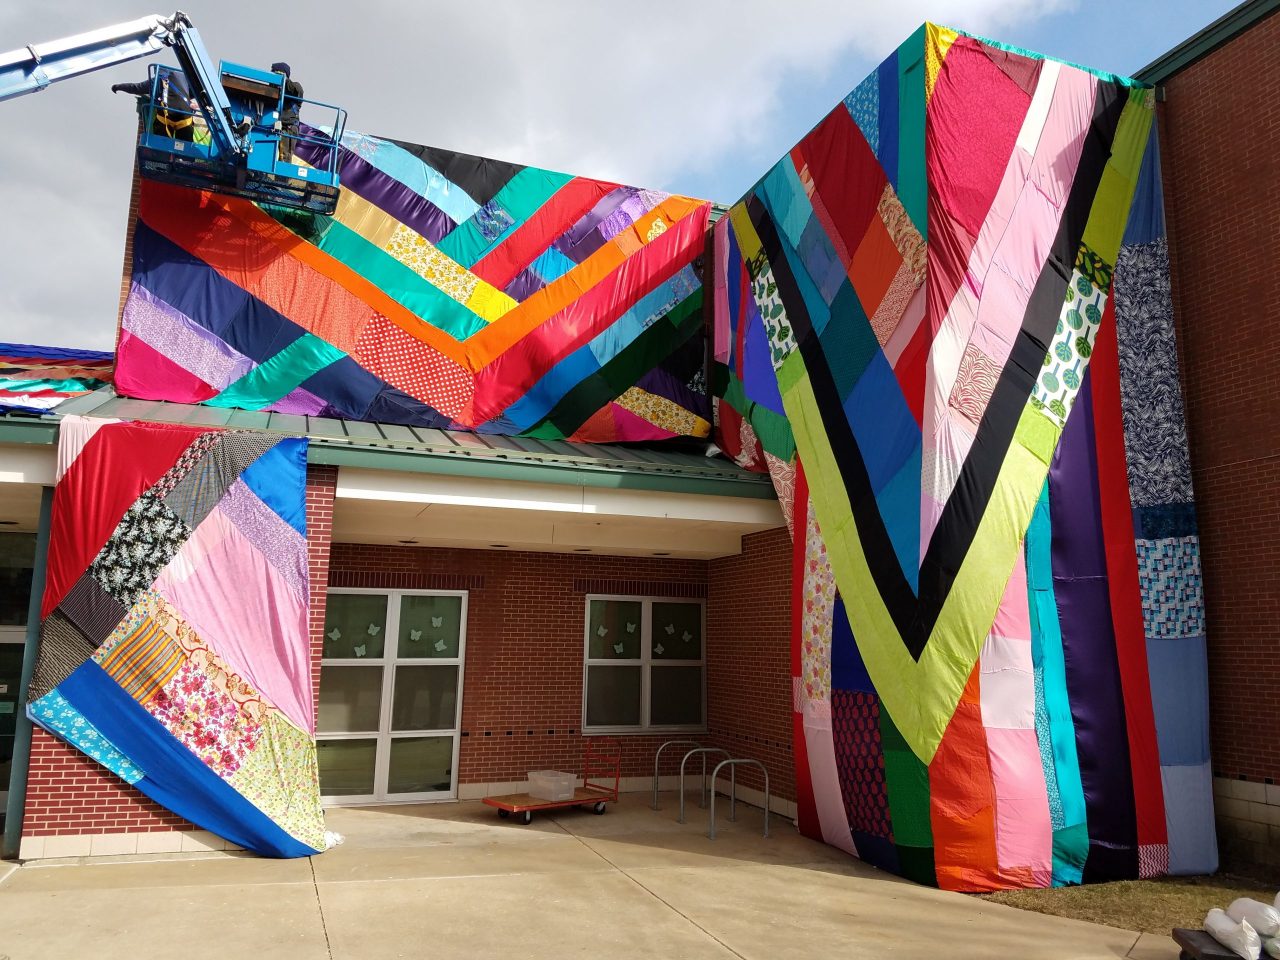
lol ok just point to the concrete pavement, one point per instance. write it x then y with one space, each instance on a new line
452 880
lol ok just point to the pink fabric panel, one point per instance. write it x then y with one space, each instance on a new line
257 635
164 378
723 337
1024 834
827 793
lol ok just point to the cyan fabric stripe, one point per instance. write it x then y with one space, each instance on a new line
1058 738
912 183
421 178
175 778
551 265
500 217
269 381
55 714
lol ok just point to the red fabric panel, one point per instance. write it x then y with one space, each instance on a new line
160 375
962 800
971 127
99 486
565 208
806 809
845 173
518 368
910 370
1122 580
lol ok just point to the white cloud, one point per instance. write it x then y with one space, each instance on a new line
654 93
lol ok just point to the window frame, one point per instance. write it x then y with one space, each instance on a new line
646 664
388 663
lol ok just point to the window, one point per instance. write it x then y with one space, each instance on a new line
390 694
644 665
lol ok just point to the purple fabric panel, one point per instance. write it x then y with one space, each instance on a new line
526 283
386 193
659 382
168 331
1089 647
632 209
282 545
298 401
583 239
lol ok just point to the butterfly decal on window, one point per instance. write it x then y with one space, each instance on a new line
602 631
437 621
670 628
373 630
617 647
686 636
415 635
631 628
335 634
361 650
659 649
440 645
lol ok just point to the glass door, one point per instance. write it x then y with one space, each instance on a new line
391 695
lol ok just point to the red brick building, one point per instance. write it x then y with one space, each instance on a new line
1219 116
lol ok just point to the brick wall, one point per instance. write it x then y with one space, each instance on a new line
68 794
749 665
522 686
1222 198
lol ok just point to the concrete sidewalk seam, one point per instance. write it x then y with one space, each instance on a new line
324 927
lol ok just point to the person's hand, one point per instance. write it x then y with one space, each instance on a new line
116 87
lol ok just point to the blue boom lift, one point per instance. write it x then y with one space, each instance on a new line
242 135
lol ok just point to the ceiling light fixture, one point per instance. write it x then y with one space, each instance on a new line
499 546
581 549
665 553
408 541
8 523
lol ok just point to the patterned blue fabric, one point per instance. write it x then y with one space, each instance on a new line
1172 592
55 714
864 105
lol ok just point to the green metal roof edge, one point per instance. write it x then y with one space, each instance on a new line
654 472
1204 42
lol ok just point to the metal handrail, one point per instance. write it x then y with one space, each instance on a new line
702 796
733 792
657 756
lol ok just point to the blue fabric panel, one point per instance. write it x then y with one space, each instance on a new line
1146 215
1188 811
347 387
848 672
886 432
899 504
1164 522
820 260
193 287
547 392
887 149
1179 671
551 264
877 851
863 105
55 714
175 777
391 405
421 178
733 297
848 345
279 478
786 200
759 382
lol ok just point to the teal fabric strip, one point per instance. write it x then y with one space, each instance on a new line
269 381
500 217
913 183
1055 729
1024 52
407 288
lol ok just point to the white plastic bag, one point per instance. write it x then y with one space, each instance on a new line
1239 937
1262 917
1271 947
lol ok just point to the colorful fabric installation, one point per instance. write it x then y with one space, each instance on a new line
942 322
448 291
36 379
173 638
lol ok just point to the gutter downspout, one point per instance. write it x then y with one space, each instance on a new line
17 806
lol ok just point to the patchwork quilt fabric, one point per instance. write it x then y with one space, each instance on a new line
173 637
448 291
36 379
942 322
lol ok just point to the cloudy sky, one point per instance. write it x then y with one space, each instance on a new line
691 96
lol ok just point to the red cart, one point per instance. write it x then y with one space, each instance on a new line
601 774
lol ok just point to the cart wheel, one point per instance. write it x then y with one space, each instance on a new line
526 817
504 814
598 809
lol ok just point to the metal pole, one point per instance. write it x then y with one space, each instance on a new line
733 793
17 805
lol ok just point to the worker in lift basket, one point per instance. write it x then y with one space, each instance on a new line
289 112
175 112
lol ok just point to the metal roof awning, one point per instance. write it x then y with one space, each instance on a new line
387 446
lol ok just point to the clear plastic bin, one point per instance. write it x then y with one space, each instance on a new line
552 784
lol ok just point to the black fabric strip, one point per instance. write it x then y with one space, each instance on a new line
480 177
965 507
877 546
